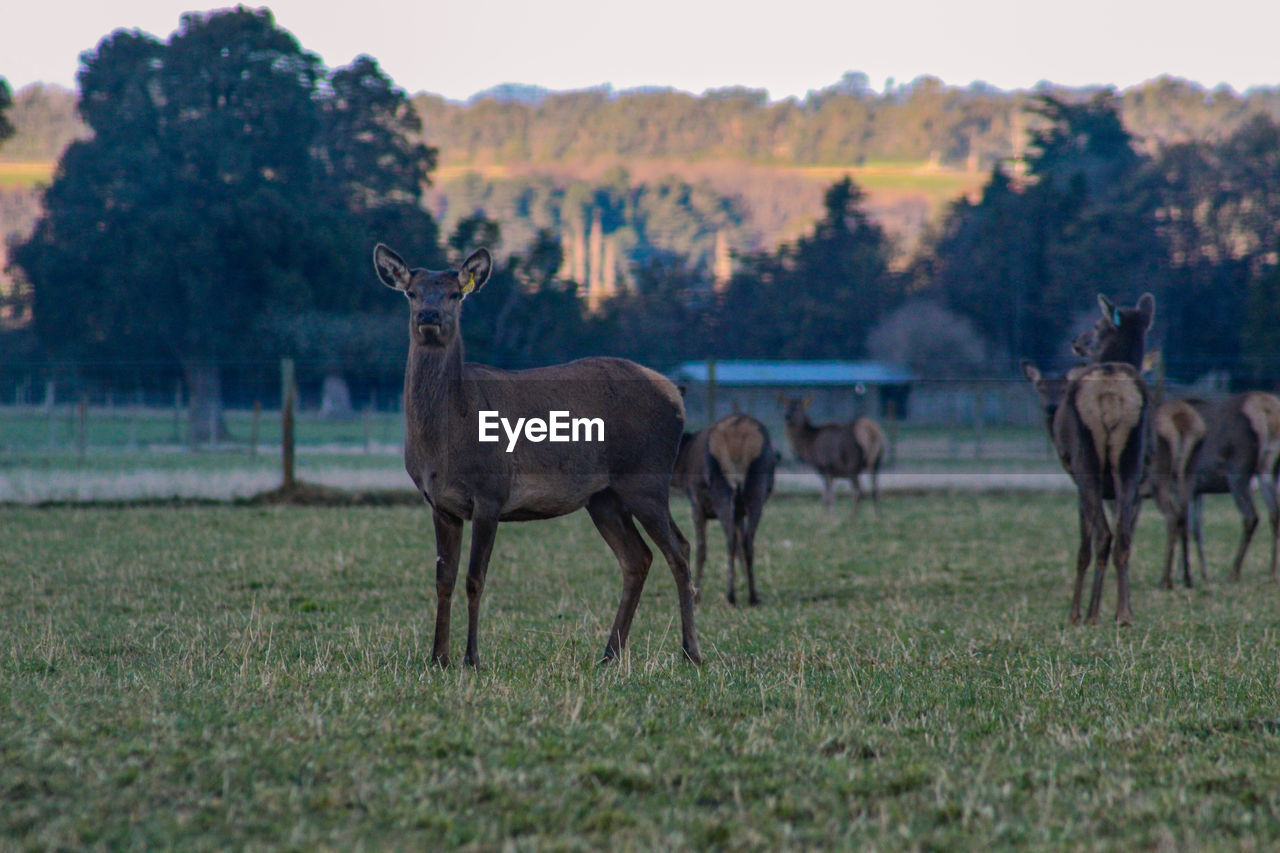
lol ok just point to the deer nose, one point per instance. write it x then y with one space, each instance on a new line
429 317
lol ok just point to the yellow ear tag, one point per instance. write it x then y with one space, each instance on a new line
470 284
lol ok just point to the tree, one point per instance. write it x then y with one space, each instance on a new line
817 297
228 179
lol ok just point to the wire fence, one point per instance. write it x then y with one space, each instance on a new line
73 438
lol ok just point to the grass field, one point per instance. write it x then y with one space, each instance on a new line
23 174
215 677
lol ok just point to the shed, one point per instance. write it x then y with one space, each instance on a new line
841 390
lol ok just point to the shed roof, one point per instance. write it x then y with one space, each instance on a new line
798 373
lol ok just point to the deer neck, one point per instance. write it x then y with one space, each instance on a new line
802 435
1127 351
434 393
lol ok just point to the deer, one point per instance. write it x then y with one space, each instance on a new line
1240 440
620 479
727 472
1097 417
1243 442
836 450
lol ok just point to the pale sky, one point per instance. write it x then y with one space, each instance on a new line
789 47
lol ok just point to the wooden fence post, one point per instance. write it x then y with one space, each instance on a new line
288 399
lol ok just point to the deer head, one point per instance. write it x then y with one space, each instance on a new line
796 409
1120 334
435 298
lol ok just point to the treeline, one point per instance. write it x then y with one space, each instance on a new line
845 124
842 125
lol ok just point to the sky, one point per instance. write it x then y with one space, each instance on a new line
787 47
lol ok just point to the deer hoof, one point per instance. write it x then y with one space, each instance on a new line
692 654
441 661
754 601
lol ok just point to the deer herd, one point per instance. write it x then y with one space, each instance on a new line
1116 439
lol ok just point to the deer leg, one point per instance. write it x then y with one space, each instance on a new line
828 492
1195 521
722 500
875 487
1083 554
747 531
654 514
700 547
448 547
1102 539
1186 548
1170 540
1267 485
483 530
1239 484
1126 520
634 558
857 493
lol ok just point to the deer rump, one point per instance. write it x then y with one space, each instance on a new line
1103 424
735 446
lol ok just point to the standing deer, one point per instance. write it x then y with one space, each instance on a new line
1171 477
1098 420
623 476
726 471
1240 440
1096 417
836 450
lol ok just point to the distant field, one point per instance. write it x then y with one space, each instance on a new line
220 678
17 175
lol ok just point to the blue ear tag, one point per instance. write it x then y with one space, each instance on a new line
1115 316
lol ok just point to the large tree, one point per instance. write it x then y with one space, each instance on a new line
817 297
230 179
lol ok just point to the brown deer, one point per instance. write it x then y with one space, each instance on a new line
1096 417
726 471
625 475
1240 441
1171 478
836 450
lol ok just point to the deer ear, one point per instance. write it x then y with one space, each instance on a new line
1030 371
475 271
1109 312
1147 308
391 268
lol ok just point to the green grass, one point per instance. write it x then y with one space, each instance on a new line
217 677
22 174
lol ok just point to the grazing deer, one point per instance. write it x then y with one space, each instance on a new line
1242 442
1097 420
624 476
836 450
726 471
